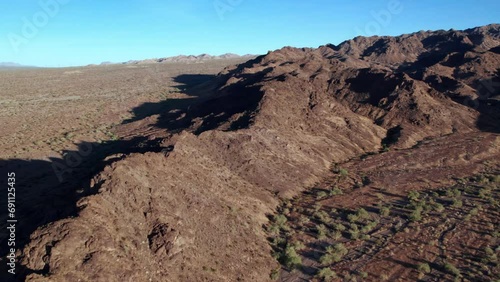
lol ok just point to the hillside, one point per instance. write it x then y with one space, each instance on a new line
216 163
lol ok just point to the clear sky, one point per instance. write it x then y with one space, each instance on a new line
79 32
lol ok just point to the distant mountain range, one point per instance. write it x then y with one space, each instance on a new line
182 59
8 65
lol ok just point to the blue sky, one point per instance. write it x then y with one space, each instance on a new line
60 33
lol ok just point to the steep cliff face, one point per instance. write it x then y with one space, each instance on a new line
272 127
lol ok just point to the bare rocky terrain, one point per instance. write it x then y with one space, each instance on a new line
249 175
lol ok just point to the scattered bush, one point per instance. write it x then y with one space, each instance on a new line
457 203
317 206
354 232
321 195
297 245
322 231
290 258
416 215
336 191
385 211
352 217
343 172
339 227
280 220
438 207
326 274
362 213
334 253
323 216
450 268
303 219
413 196
424 268
369 226
275 274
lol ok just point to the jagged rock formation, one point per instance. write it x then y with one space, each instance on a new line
271 127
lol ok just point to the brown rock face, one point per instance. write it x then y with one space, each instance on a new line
269 127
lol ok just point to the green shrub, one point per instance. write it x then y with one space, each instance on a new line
352 217
275 274
303 219
298 245
450 268
413 196
321 195
326 274
354 232
336 191
457 203
343 172
336 235
280 220
495 179
339 227
334 253
362 213
322 231
317 206
438 207
385 211
424 268
323 216
274 229
369 226
416 215
290 258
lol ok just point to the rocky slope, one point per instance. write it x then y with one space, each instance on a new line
261 131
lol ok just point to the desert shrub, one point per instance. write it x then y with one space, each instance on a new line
339 227
457 203
303 219
484 193
290 258
385 211
369 226
352 217
275 274
362 213
424 268
343 172
416 215
334 253
321 195
438 207
413 196
354 232
317 206
280 220
491 256
326 274
363 274
323 216
297 245
322 231
336 235
273 229
336 191
450 268
495 179
286 211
